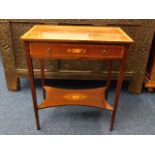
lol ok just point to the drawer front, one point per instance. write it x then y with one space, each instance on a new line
74 51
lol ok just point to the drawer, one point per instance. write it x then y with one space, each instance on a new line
75 51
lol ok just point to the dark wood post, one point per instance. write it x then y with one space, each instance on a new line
118 87
32 83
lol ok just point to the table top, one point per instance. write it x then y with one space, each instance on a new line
76 33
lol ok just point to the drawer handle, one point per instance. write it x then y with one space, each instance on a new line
76 51
49 51
104 51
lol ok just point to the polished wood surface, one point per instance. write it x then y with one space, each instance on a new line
118 87
32 83
77 33
74 51
111 45
82 97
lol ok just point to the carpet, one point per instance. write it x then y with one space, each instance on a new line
136 113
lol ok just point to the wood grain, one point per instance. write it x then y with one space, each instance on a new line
76 33
83 97
75 51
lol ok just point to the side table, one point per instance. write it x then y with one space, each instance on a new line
76 43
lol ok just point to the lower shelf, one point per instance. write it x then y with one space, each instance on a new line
83 97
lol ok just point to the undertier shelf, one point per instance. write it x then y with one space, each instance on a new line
94 97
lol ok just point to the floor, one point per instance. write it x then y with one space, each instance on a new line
136 113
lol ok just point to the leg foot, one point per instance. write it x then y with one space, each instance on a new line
112 121
136 84
38 128
37 119
13 83
111 128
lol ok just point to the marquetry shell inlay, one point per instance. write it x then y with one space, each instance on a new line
75 96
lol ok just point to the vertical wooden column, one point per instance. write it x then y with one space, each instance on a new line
119 85
32 83
42 77
8 57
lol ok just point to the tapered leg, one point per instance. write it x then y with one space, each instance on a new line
32 84
118 87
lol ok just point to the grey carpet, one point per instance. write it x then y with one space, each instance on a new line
136 114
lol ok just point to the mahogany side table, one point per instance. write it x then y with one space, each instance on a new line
76 43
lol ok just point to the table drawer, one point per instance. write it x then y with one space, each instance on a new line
74 51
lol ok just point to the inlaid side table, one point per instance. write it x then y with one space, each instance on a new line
76 43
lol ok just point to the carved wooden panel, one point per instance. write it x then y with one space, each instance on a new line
17 30
133 31
73 65
8 56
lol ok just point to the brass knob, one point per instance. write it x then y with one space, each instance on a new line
104 51
49 51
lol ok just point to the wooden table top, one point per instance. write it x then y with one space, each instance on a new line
76 33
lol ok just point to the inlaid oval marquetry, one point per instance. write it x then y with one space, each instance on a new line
75 96
76 51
